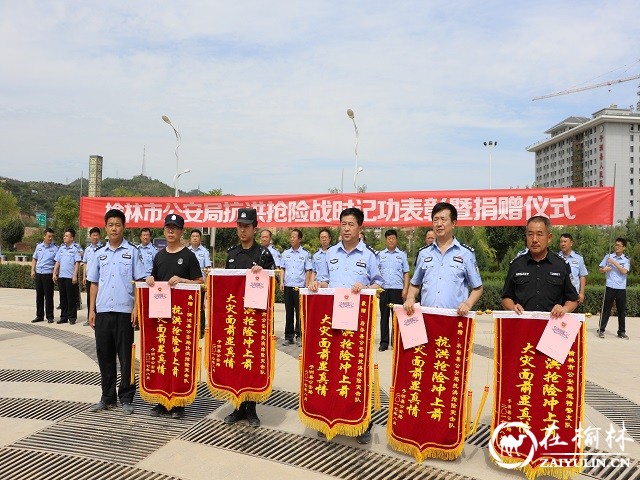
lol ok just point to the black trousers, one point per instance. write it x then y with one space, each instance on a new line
44 295
619 295
389 295
291 306
114 337
68 299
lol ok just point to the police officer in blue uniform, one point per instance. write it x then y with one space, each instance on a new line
447 268
248 254
576 263
350 264
394 269
147 249
112 312
319 258
295 264
204 260
539 280
65 274
88 257
42 272
616 267
265 242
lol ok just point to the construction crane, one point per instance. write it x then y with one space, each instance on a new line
588 87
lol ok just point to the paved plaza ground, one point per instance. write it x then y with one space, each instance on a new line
49 377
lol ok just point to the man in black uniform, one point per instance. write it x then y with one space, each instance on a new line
539 280
247 255
175 264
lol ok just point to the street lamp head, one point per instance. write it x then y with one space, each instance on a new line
350 114
490 143
166 119
359 170
186 170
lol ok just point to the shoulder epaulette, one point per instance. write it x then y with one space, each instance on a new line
234 247
467 247
98 246
519 254
559 255
375 252
423 247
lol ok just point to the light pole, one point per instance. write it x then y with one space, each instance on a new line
175 180
490 145
357 169
178 139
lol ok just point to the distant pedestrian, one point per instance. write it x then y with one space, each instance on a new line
87 258
42 266
576 263
616 267
296 271
147 249
65 274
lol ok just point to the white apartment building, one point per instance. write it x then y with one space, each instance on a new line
582 152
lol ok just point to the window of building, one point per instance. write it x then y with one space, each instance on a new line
631 170
631 147
631 192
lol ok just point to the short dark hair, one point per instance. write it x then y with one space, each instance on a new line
541 219
115 213
145 229
390 232
195 230
94 230
622 241
327 231
48 230
71 231
438 207
298 231
268 231
567 235
356 212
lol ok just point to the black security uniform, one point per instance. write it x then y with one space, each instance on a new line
239 258
539 286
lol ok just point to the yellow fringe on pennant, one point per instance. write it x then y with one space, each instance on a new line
132 378
376 388
483 400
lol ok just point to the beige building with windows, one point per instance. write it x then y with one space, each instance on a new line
583 152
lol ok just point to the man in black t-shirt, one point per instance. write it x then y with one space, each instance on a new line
175 264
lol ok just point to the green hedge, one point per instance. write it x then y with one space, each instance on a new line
13 275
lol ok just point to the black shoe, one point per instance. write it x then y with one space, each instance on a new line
59 307
177 412
600 333
287 341
298 341
96 407
49 320
72 321
320 434
235 417
127 408
252 416
364 438
86 324
157 411
382 348
623 335
62 320
36 320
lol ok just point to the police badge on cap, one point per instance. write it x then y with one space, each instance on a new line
248 216
174 219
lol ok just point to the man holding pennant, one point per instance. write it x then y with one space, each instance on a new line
353 265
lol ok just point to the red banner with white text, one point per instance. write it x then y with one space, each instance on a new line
538 402
512 207
427 407
240 348
169 361
335 390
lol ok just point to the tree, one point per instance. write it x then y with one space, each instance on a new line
65 214
12 231
8 209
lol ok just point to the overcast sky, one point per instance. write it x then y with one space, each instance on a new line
259 90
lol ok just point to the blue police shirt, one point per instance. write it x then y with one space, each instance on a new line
578 268
295 264
342 269
393 266
45 257
319 258
90 251
446 278
148 253
67 258
276 255
615 279
202 254
113 270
